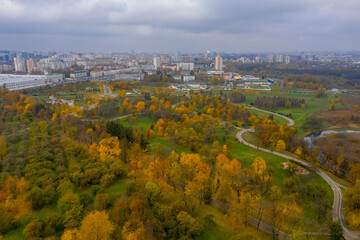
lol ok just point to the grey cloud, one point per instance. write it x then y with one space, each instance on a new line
241 25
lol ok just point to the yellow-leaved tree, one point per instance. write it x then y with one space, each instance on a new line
280 145
109 149
352 205
71 234
96 226
3 149
259 166
140 106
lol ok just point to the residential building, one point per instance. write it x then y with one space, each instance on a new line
20 65
134 76
218 63
165 59
96 74
186 66
156 62
78 74
147 67
287 59
279 58
270 58
31 65
6 67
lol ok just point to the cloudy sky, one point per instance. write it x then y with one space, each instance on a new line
184 25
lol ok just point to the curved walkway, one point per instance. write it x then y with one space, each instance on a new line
337 212
291 122
112 119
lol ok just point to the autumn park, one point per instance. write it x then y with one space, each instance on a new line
140 160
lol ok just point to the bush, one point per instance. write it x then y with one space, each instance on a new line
102 201
7 220
33 230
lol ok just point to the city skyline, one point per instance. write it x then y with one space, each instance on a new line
192 26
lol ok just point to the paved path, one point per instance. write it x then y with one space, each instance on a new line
96 120
291 122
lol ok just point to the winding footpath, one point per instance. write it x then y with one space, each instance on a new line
337 212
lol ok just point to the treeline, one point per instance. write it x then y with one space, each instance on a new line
237 97
305 75
276 102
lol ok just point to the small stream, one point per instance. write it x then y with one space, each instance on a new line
312 136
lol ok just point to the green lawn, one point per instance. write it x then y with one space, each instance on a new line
221 231
119 187
40 214
142 123
81 102
246 155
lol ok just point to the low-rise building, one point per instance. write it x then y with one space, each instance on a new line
189 78
177 78
186 66
139 76
147 67
78 74
54 78
96 74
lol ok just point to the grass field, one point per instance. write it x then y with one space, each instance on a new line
299 115
142 123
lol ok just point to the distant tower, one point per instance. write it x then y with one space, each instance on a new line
270 58
279 58
218 63
20 65
287 59
156 62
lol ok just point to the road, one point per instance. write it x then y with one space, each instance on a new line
337 212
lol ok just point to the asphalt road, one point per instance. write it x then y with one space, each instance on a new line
337 212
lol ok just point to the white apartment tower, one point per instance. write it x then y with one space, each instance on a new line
20 65
279 58
287 59
218 63
156 62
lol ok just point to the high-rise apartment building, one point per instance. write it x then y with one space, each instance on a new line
287 59
31 65
156 62
20 65
218 63
279 58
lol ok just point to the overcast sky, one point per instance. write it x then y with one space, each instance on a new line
184 25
